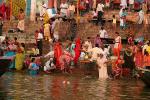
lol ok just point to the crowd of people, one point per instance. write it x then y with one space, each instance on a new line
66 55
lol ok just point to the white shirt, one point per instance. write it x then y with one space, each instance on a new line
121 22
144 48
100 7
120 12
64 8
124 2
103 34
89 44
71 8
117 42
141 14
40 36
131 1
95 51
106 51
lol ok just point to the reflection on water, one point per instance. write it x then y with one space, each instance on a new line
20 86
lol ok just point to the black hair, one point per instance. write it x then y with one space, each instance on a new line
96 45
88 37
15 38
23 45
33 59
21 10
146 53
113 16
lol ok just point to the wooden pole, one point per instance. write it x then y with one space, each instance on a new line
10 9
78 12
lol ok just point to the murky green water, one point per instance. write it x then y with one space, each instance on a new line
20 86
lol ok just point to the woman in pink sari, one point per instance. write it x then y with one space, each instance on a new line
65 61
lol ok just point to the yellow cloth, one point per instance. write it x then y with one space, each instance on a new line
114 21
148 49
19 61
16 6
46 18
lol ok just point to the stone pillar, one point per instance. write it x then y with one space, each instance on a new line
55 5
28 7
33 10
1 1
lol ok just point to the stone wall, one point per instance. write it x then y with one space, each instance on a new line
22 37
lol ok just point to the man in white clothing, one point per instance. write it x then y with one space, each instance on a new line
100 12
95 51
124 3
63 9
88 43
141 17
103 33
40 43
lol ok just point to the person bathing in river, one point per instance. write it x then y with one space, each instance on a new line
19 57
138 57
146 61
102 67
49 65
33 67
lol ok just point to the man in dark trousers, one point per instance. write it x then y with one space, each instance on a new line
100 11
40 43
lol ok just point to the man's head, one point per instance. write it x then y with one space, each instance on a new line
15 38
96 45
100 55
88 38
21 10
97 35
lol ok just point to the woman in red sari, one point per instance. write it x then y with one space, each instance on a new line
57 54
3 10
77 50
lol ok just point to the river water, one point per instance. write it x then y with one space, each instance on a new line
21 86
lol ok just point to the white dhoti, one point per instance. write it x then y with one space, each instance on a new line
21 25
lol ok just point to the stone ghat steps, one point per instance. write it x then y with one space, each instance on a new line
30 27
92 30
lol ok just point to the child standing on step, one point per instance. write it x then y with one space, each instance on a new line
114 22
